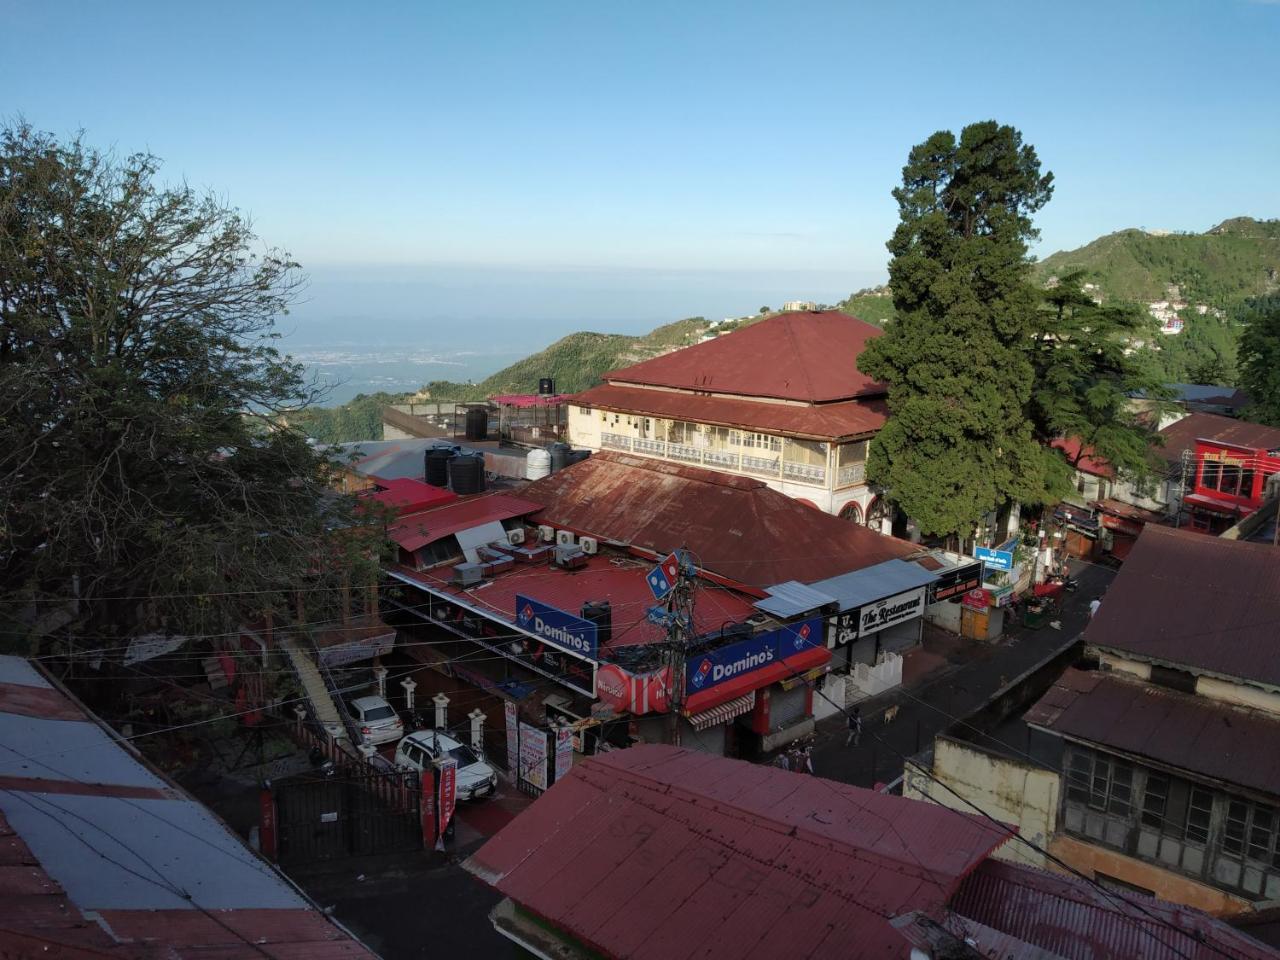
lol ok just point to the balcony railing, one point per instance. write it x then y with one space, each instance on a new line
732 461
851 473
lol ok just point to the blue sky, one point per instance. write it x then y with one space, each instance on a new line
626 163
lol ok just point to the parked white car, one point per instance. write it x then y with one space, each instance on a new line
376 720
422 749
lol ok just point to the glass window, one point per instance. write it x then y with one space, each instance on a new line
379 713
1101 782
1246 482
1250 832
1229 479
1155 801
1078 778
1199 812
1233 832
1209 475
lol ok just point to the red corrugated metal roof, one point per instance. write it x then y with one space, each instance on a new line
1182 730
822 421
1077 921
665 853
1198 601
1183 434
735 527
411 496
1088 463
415 532
805 355
619 580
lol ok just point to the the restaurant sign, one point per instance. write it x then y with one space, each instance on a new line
578 636
874 617
718 666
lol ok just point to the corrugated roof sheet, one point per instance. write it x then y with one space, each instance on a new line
735 527
854 589
99 833
822 421
802 355
665 853
1183 434
791 599
1182 730
415 532
407 495
1208 604
1076 920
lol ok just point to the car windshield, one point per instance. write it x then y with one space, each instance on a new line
464 755
379 713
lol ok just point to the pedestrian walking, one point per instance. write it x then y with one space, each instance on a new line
1094 604
855 728
781 761
806 760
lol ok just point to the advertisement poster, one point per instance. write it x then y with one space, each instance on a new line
533 756
448 792
513 735
564 751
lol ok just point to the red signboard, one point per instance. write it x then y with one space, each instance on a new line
978 599
427 809
448 792
267 830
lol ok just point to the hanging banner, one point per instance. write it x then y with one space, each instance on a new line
448 792
533 756
427 807
564 751
511 713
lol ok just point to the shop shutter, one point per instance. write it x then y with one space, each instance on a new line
786 706
710 740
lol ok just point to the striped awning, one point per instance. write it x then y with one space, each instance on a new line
724 712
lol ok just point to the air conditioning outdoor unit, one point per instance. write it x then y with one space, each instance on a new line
589 545
545 533
516 536
565 537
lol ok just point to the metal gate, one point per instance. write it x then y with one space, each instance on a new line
353 811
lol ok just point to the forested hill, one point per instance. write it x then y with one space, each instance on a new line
1236 260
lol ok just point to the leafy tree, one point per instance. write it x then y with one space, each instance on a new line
1086 370
764 310
1260 360
1204 352
960 441
140 468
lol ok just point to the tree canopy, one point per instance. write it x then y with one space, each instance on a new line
140 469
960 440
1260 359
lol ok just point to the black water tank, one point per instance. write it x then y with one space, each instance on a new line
466 474
546 386
477 423
577 456
559 456
601 614
436 465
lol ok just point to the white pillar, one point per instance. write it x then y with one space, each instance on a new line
477 719
409 687
380 673
442 710
367 750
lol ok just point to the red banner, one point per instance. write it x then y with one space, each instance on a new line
267 830
448 792
427 809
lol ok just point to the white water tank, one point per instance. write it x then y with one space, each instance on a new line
537 465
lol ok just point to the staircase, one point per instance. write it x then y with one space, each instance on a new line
322 706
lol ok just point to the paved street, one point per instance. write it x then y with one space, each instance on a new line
957 677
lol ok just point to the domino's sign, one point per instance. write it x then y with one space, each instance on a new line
714 667
550 625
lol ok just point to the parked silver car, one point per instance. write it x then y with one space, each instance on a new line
422 749
376 720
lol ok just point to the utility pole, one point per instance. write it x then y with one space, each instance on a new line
680 631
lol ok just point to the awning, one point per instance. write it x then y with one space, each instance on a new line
757 679
1225 508
723 713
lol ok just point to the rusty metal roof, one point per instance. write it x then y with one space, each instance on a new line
416 531
822 421
1075 920
663 853
1193 733
736 527
809 355
1200 602
1183 434
102 856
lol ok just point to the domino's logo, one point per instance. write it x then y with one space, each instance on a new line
802 637
526 614
700 675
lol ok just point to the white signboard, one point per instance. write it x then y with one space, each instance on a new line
533 756
564 752
885 613
513 735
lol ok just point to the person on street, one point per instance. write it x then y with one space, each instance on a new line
806 759
855 728
1094 604
781 761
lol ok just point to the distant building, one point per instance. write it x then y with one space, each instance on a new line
781 400
794 305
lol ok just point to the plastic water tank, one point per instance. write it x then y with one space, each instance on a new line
436 465
466 474
477 424
546 386
559 456
537 465
577 456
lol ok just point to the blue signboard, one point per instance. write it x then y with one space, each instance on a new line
994 559
554 626
710 669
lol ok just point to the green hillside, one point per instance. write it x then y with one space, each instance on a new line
1234 261
874 305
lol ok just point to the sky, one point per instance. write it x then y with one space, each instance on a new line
543 166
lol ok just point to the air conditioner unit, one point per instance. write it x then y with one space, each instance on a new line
589 545
545 533
516 536
565 537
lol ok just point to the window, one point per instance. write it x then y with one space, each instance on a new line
1102 783
1199 812
1250 832
1155 801
762 441
1229 479
1209 475
1246 482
